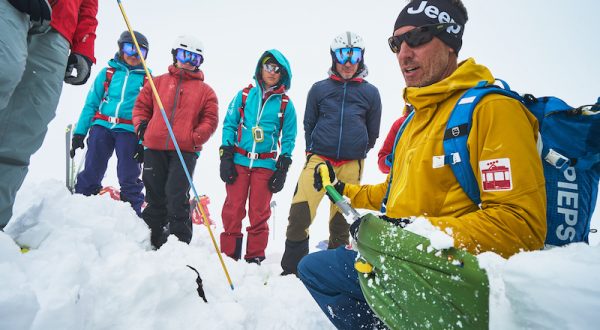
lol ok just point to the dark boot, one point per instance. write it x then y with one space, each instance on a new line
255 260
181 227
237 254
159 236
294 251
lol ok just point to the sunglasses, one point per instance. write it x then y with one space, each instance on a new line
343 55
418 36
185 56
128 48
272 68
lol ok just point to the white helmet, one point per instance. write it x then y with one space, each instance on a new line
189 43
347 40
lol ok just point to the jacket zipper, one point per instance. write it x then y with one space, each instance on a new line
262 108
174 108
118 108
341 122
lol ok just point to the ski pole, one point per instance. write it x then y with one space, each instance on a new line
274 215
69 160
75 173
172 135
72 171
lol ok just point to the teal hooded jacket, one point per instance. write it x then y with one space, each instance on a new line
118 102
265 115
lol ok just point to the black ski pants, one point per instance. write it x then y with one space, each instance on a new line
167 193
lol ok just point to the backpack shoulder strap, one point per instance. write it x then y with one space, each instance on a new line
110 71
245 93
456 134
109 75
398 135
284 102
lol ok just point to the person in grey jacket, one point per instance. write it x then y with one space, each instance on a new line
341 125
42 43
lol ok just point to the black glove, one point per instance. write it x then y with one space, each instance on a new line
277 180
38 10
141 130
400 222
318 181
227 167
354 228
138 155
83 66
76 142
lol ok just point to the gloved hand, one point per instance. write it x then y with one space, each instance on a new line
227 167
138 155
83 66
76 142
400 222
277 180
354 228
38 10
318 181
141 130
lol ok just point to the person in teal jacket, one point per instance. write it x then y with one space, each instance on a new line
259 133
106 117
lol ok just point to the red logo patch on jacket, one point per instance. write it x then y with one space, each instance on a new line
495 174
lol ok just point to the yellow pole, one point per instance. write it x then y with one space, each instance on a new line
160 105
212 237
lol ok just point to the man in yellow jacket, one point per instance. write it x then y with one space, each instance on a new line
426 40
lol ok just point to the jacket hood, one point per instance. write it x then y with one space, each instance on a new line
286 79
186 74
467 75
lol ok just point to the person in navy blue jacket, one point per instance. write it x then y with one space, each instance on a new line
259 133
106 118
341 125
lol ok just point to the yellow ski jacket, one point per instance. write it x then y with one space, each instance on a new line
503 154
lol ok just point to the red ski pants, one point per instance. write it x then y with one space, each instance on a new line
251 185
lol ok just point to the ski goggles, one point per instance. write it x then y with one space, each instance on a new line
417 36
343 55
128 48
272 68
185 56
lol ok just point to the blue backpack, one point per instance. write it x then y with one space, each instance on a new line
570 157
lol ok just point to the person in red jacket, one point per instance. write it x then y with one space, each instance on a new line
192 109
41 44
388 145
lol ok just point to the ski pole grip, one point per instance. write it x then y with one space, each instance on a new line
324 172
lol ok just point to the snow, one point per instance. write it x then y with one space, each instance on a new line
439 239
548 289
91 266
